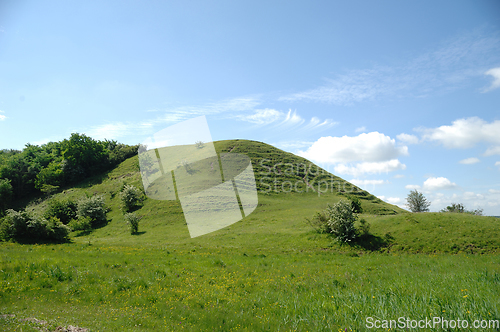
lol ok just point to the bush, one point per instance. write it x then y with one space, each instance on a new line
133 221
320 223
356 204
341 220
364 227
132 198
460 208
64 210
24 226
81 224
94 208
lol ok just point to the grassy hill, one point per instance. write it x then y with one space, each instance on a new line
268 272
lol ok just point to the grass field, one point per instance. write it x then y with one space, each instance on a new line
267 272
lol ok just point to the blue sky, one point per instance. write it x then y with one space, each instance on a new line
391 95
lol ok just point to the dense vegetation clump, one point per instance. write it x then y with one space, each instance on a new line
460 208
132 198
5 195
25 226
46 168
93 208
64 210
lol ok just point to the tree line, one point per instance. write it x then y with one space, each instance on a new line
46 168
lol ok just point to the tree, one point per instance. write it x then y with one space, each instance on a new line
341 220
417 202
5 195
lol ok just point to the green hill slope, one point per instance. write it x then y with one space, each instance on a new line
290 189
279 219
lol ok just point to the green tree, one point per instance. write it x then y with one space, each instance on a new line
417 202
5 195
83 156
341 220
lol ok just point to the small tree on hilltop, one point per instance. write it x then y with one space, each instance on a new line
417 202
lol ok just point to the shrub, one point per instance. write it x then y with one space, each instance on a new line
25 226
94 208
364 227
64 210
341 220
133 221
81 224
320 223
132 198
460 208
356 204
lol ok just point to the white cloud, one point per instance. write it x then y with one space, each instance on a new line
447 68
394 200
466 133
360 129
407 138
439 183
361 183
497 163
412 186
469 161
494 191
399 176
495 72
370 147
370 167
2 117
116 130
492 151
263 116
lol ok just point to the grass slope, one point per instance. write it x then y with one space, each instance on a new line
267 272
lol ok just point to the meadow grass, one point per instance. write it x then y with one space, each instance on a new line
268 272
203 288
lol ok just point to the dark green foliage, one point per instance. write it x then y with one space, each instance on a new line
417 202
46 168
355 204
24 226
94 208
64 210
364 227
84 156
132 198
133 221
5 195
